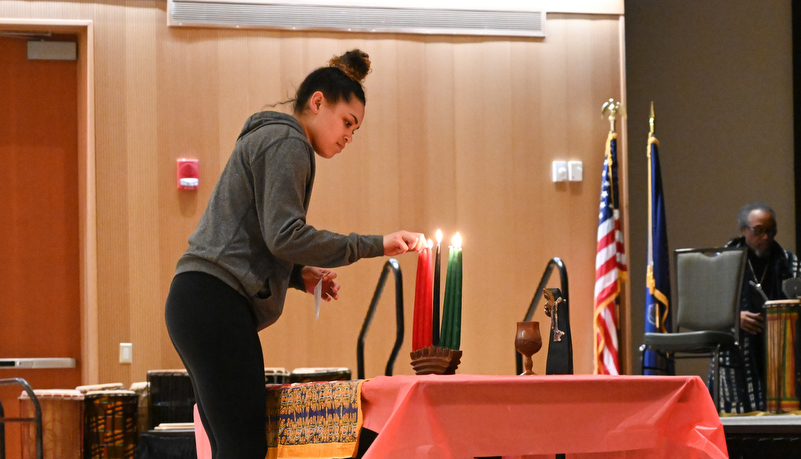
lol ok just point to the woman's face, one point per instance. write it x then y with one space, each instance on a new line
332 125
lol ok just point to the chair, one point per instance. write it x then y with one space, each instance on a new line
708 286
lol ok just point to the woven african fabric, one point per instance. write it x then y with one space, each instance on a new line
313 420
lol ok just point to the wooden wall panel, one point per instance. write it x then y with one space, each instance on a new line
459 135
144 177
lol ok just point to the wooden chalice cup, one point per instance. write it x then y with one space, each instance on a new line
527 342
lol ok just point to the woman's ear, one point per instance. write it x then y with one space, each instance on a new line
315 101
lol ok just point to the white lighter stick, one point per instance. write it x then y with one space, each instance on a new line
318 295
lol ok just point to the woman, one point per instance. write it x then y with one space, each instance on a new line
252 242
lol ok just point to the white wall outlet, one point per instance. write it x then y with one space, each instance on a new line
126 352
559 171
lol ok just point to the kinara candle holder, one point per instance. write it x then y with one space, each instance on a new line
436 360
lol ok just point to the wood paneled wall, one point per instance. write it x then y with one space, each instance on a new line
459 135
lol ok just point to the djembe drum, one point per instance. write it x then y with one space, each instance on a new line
299 375
781 321
141 391
62 418
276 375
110 424
171 398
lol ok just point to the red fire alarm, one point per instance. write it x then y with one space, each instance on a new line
188 174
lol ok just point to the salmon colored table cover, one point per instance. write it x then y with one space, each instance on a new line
582 416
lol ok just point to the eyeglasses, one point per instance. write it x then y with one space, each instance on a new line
760 230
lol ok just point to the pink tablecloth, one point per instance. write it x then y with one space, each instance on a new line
462 416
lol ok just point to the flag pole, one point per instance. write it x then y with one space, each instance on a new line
611 107
650 275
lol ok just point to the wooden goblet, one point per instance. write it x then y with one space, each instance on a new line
527 342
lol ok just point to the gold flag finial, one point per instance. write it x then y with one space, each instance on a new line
652 120
611 108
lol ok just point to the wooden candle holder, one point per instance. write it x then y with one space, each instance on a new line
435 360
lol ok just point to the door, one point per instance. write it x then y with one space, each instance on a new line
39 220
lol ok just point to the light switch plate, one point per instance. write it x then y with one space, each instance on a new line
126 352
559 171
575 171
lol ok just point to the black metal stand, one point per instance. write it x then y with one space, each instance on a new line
560 353
390 265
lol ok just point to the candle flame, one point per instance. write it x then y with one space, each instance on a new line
439 236
457 241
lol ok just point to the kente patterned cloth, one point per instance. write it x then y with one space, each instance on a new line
313 420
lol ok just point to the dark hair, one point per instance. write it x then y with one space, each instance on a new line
745 211
340 80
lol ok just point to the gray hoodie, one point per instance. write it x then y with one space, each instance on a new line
253 234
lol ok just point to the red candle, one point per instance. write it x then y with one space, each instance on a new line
435 312
421 328
428 337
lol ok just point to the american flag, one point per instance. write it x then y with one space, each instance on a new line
610 267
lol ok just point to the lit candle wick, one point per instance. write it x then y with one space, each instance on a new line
457 241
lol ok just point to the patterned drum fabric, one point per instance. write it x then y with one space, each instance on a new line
62 417
171 398
781 321
110 425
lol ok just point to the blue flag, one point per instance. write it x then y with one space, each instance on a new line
657 294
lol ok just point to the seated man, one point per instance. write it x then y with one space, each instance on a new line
767 267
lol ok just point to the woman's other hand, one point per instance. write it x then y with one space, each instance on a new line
312 275
402 242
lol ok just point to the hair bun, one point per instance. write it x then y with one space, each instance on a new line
355 64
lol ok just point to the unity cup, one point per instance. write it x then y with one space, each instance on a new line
527 342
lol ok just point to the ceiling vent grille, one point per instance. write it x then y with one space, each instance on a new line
433 21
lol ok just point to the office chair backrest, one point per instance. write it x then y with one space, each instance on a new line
709 282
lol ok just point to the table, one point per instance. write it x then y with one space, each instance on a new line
582 416
458 416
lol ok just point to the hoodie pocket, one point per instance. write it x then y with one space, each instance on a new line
265 291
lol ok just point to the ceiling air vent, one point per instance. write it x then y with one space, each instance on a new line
433 21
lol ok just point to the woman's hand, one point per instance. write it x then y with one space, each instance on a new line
402 242
751 322
311 276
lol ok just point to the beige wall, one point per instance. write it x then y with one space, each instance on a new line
459 135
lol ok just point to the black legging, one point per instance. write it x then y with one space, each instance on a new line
213 328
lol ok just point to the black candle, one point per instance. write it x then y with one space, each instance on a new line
435 306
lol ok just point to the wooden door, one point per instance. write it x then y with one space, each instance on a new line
39 221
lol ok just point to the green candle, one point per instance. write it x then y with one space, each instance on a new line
452 307
457 301
447 308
